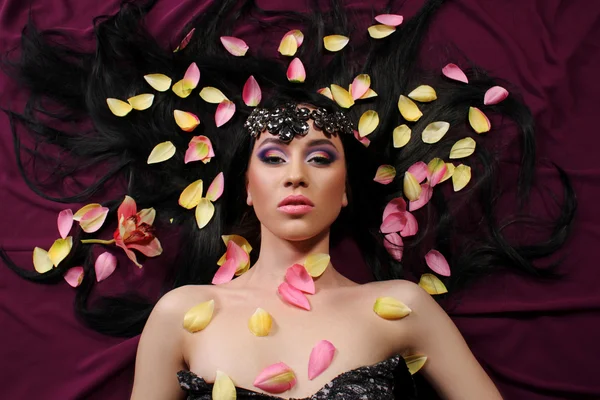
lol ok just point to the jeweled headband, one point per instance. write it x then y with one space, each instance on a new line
289 120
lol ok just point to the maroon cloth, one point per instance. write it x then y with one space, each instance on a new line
537 340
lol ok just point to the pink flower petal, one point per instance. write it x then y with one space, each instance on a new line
127 208
320 358
394 206
394 245
297 34
359 86
426 193
74 276
419 171
296 72
495 95
364 140
151 249
225 272
389 19
130 254
105 265
411 227
199 149
251 93
186 40
215 190
276 378
93 219
65 222
437 262
236 253
234 46
192 76
298 277
453 72
225 111
438 172
394 222
293 296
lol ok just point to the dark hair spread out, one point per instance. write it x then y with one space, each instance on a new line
67 111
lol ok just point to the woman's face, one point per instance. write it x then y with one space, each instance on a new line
311 169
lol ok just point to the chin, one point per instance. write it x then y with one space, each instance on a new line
297 230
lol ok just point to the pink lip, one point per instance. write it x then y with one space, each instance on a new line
295 209
296 200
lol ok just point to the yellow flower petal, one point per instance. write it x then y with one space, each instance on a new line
381 31
41 261
435 131
161 152
335 42
341 96
478 120
182 89
141 101
316 264
415 362
432 284
81 212
385 174
401 136
412 188
461 177
325 92
423 93
191 195
223 388
368 123
449 172
462 148
199 316
239 240
260 323
409 109
288 46
118 107
187 121
159 82
60 249
390 308
212 95
370 93
204 212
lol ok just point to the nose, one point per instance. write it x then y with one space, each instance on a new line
296 174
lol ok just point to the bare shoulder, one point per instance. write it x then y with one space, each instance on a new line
407 292
180 299
161 348
429 330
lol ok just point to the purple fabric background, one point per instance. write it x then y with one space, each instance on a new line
537 340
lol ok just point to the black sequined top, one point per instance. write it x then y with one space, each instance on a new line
386 380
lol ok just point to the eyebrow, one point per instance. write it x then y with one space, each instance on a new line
312 143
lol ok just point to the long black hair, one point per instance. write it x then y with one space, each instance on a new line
67 111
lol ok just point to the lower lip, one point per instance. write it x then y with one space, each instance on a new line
296 209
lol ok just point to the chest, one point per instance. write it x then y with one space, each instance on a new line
359 335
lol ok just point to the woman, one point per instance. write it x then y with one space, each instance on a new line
311 167
125 55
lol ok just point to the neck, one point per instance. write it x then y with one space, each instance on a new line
277 255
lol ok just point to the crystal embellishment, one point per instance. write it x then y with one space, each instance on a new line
289 120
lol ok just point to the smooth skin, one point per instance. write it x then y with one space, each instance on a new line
342 311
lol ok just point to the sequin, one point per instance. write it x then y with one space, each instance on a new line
289 120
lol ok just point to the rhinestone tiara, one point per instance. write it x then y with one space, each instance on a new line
288 120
